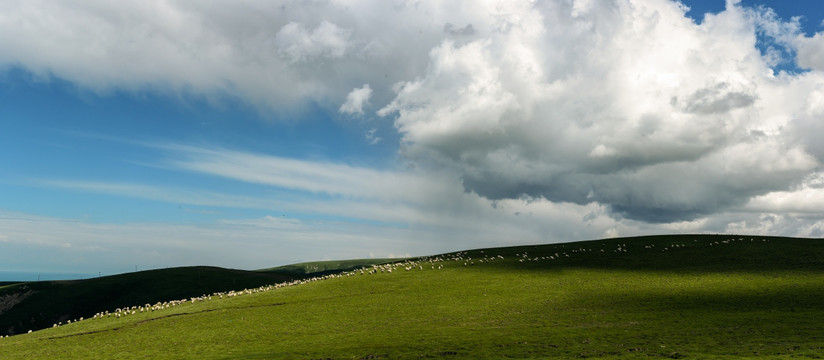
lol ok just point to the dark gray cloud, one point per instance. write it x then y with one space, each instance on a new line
464 31
717 99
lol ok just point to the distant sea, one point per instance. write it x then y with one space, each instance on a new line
42 276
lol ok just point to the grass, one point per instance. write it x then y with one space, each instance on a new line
736 299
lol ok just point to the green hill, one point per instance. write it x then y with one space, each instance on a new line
696 296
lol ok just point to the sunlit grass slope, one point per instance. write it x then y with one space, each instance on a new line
652 297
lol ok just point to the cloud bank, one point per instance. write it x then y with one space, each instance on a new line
628 104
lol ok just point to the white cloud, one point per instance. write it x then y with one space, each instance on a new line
806 199
278 56
165 194
356 100
628 104
319 177
298 44
811 51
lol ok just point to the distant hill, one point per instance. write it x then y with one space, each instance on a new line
38 305
316 268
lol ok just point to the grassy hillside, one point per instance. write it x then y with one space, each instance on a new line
651 297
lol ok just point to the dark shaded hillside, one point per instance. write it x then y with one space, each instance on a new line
38 305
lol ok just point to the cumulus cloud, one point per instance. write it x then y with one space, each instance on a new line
356 100
811 51
628 104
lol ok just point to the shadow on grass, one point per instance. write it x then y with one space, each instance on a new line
799 297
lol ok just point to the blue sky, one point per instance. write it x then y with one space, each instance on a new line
159 133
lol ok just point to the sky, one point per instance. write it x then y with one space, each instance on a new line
143 134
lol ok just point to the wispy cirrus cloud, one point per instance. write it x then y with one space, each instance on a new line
159 193
335 179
